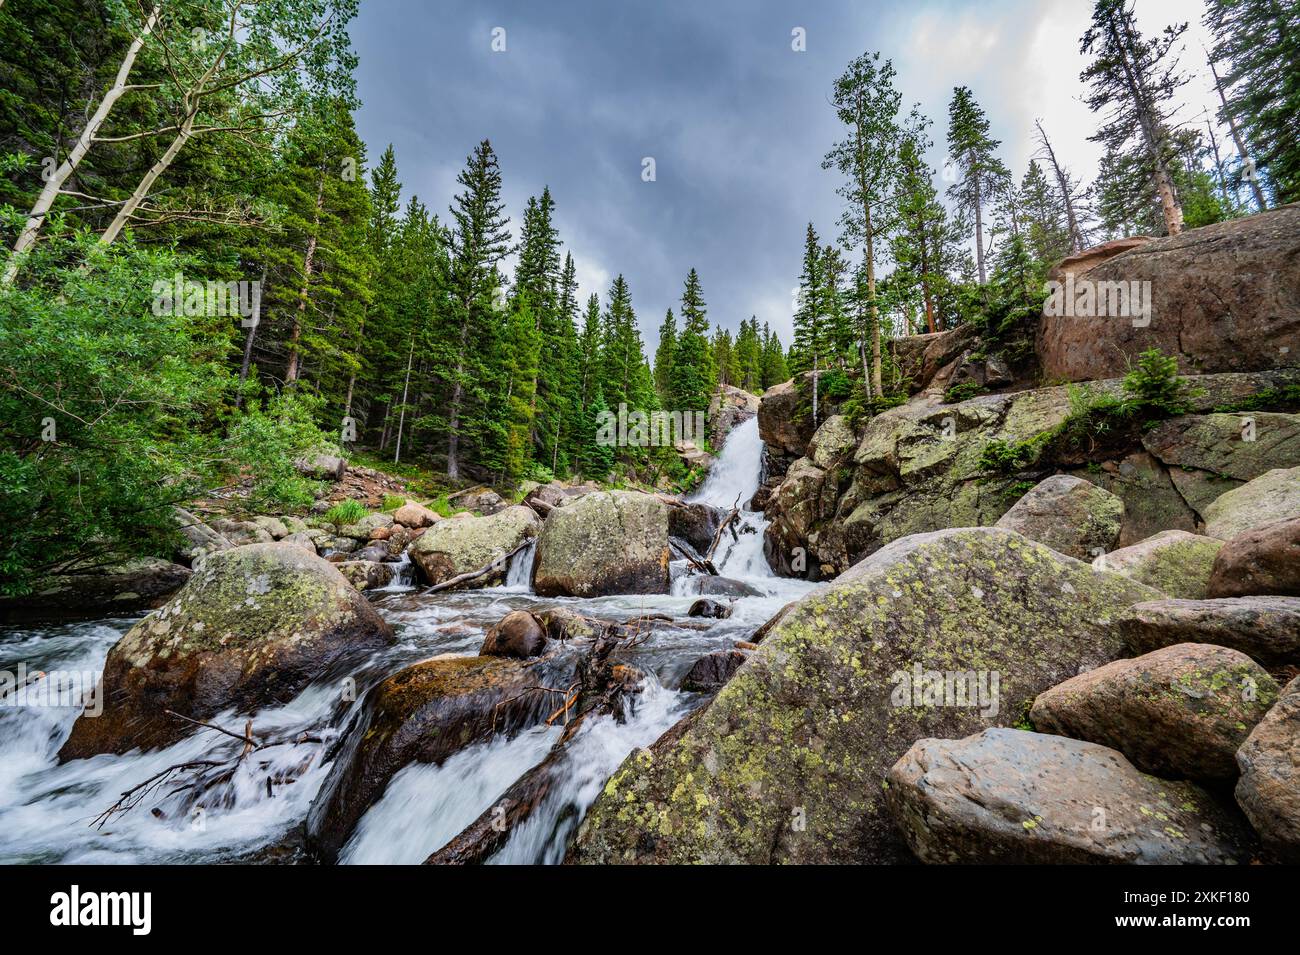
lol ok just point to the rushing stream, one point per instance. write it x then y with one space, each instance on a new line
48 811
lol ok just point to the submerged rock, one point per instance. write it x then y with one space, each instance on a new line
607 542
426 713
1010 796
830 700
518 634
1179 712
705 607
711 671
252 628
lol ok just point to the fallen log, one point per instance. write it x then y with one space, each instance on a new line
476 574
687 552
726 522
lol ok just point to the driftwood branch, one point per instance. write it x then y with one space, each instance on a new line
699 563
476 574
726 522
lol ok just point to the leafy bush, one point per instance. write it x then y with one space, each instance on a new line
266 440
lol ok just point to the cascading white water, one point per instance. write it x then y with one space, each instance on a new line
46 808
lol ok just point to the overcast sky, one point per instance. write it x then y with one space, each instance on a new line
736 121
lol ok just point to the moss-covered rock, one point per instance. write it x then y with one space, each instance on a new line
450 548
1180 712
1069 515
1271 497
252 627
608 542
1008 796
787 763
1174 562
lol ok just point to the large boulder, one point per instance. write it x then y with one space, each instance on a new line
323 467
1181 711
95 590
1208 455
1272 497
843 683
1264 628
1008 796
1269 789
1263 560
695 523
783 425
1069 515
366 526
424 714
832 443
609 542
1174 562
251 628
415 514
1223 298
921 358
729 407
450 548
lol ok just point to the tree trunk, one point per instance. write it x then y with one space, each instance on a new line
925 284
979 226
45 201
248 343
1076 234
300 313
1147 120
453 423
1238 142
397 452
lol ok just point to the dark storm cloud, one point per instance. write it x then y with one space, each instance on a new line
736 121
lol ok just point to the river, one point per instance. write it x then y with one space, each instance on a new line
48 812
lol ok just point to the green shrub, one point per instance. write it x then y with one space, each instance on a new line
1155 389
344 513
959 393
391 503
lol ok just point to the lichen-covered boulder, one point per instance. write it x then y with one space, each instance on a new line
251 628
1069 515
426 713
365 573
1269 498
843 683
1179 712
608 542
1262 560
1269 789
368 524
1266 629
729 407
1010 796
833 442
454 547
1174 562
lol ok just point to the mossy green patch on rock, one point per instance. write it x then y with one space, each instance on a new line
786 764
254 625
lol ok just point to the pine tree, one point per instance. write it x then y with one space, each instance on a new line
693 369
479 241
808 350
664 357
1259 41
749 355
1047 234
1134 79
974 153
867 103
926 240
621 351
774 367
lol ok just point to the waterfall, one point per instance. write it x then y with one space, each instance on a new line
519 575
731 483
